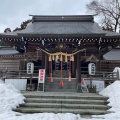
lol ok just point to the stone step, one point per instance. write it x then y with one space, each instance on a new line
68 86
63 87
60 90
66 96
57 86
62 110
63 105
57 83
69 101
58 79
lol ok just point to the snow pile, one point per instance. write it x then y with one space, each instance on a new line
1 81
113 92
9 97
41 116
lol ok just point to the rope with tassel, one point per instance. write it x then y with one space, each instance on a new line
50 60
61 81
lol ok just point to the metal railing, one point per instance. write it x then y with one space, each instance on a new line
17 74
103 76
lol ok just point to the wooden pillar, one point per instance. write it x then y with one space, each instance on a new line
75 66
46 64
43 60
78 68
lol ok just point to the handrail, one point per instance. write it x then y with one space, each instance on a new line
23 74
18 74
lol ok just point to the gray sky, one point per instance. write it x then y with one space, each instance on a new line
14 12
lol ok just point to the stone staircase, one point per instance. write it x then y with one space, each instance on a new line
68 86
58 102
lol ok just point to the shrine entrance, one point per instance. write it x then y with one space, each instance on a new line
66 68
56 65
62 64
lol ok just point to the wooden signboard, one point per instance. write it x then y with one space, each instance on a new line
41 80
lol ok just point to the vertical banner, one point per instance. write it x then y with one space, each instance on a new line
41 80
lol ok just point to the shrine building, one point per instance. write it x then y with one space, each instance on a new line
62 45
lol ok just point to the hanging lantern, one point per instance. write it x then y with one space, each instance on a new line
50 58
61 83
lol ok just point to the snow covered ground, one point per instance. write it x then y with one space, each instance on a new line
10 98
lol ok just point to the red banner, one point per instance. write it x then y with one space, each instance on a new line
41 78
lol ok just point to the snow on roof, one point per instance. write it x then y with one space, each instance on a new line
8 51
114 54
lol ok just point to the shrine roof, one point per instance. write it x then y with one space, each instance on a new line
62 28
62 25
114 54
8 51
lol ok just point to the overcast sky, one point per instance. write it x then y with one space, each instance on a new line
14 12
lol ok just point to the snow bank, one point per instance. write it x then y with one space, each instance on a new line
9 97
1 81
42 116
113 92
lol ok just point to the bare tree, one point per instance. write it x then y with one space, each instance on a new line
23 25
109 12
7 30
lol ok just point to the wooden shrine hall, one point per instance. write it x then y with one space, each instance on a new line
64 45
